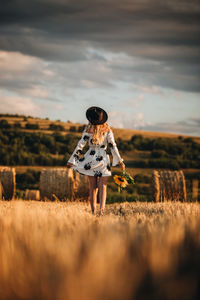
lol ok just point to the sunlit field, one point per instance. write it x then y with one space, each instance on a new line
135 251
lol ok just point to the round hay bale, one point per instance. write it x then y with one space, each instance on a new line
81 187
171 193
1 191
183 192
168 186
8 182
166 179
32 195
156 186
195 189
162 187
177 185
56 183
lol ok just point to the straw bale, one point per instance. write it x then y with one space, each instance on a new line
183 192
32 195
81 187
168 186
195 189
1 191
177 184
56 183
162 187
8 182
156 186
168 183
172 183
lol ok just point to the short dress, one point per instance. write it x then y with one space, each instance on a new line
96 161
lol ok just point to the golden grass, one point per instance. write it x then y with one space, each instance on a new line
43 123
8 182
126 134
169 185
58 182
136 251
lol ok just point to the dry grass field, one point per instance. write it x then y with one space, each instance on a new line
135 251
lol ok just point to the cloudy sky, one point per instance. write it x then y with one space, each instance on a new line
138 59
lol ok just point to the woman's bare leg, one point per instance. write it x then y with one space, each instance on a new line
93 192
102 185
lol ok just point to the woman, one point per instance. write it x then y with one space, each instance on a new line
96 162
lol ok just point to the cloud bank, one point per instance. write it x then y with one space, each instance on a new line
61 56
159 38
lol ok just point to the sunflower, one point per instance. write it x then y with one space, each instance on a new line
123 180
120 181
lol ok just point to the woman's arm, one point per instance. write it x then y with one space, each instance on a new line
78 150
115 153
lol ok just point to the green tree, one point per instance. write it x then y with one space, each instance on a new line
4 124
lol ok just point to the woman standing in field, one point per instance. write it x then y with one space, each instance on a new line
96 162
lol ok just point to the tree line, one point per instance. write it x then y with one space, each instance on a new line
38 148
172 153
4 124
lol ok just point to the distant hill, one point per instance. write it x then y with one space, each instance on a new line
28 123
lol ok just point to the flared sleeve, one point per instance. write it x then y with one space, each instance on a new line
113 147
78 150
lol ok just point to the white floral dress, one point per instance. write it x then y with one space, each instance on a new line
96 161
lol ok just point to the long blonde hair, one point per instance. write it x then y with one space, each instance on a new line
98 131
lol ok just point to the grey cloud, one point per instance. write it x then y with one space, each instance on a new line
196 121
36 43
166 32
188 127
82 72
107 22
160 74
32 77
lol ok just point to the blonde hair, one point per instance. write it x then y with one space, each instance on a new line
98 131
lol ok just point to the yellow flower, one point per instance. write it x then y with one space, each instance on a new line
120 181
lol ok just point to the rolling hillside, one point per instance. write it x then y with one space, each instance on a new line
29 144
45 124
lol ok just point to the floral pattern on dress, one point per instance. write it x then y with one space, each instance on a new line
92 152
87 166
108 167
99 158
86 137
110 145
97 174
82 158
96 161
79 152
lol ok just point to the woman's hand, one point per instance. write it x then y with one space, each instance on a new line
69 165
122 165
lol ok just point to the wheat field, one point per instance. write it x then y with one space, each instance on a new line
52 250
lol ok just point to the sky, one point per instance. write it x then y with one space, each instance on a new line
137 59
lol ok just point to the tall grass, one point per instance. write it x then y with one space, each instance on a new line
136 251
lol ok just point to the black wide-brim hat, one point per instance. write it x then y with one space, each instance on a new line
96 115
